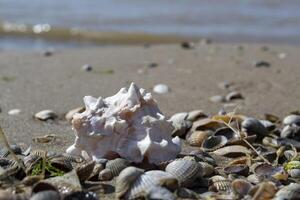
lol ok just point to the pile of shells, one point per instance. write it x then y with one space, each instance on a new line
225 156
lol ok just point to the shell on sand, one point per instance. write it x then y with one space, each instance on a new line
186 171
126 179
128 123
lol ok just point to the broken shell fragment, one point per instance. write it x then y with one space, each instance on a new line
233 151
113 168
69 115
128 123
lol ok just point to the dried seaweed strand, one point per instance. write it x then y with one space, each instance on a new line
2 135
238 133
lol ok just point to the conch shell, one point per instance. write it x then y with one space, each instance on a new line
128 123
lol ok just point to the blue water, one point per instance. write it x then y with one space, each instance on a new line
225 20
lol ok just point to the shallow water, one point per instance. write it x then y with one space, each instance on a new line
230 20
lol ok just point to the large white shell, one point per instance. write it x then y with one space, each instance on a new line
128 123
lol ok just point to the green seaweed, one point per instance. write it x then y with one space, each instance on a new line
291 165
53 171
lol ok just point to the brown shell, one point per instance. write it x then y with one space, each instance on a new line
196 138
85 170
241 187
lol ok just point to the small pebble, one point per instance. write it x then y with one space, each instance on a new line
14 112
261 63
187 45
161 89
233 95
87 67
282 56
45 115
152 65
48 52
217 99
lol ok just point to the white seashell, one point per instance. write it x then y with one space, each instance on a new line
45 115
161 89
14 112
128 123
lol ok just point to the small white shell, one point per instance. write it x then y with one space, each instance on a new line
161 89
45 115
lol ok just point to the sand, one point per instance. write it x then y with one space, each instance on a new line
32 82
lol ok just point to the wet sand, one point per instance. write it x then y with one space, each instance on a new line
32 82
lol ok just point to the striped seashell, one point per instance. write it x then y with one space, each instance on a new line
219 183
73 158
61 163
186 171
126 179
147 181
113 168
213 143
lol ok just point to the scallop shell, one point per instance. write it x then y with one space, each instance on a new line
113 168
214 142
219 183
186 171
126 179
232 151
241 187
147 181
291 191
267 170
196 138
253 178
239 169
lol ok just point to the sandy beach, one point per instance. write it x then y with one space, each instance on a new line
33 82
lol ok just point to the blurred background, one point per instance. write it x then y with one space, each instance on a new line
39 24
